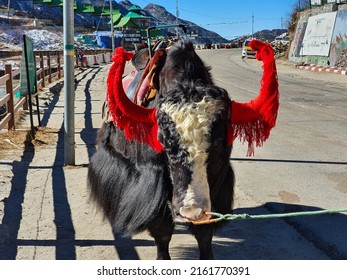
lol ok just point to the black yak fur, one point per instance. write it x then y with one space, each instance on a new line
133 184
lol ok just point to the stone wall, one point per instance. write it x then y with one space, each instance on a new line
337 54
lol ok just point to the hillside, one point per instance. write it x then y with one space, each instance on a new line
159 14
23 12
269 35
162 16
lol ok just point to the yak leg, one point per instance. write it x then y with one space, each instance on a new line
203 234
162 234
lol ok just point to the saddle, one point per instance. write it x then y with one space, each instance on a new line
142 84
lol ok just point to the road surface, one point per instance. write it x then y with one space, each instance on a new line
45 212
303 165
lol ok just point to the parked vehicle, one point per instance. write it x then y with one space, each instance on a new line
247 50
283 38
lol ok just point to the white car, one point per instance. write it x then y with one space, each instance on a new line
247 50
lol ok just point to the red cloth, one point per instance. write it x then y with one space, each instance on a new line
139 123
252 121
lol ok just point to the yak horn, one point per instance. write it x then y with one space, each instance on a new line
252 121
139 123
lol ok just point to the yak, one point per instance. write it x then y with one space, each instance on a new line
167 160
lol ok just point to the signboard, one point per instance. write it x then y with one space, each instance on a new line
27 67
318 34
132 36
28 79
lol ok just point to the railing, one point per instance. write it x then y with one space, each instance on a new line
49 65
8 99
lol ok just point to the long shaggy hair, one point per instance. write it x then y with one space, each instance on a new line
138 188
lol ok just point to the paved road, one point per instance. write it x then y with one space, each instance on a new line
45 212
303 166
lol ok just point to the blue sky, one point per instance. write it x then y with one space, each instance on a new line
230 18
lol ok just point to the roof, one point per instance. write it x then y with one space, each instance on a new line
125 21
85 8
136 15
116 18
134 8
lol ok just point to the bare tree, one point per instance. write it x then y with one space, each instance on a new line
294 15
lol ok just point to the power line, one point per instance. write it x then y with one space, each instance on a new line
220 23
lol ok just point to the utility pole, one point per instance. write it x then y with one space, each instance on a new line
177 15
69 83
252 24
112 27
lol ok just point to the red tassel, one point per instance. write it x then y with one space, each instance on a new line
139 123
252 121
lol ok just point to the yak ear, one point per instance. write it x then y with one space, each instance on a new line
139 123
252 121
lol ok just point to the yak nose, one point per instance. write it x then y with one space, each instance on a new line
192 213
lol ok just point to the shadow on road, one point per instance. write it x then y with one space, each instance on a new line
299 238
88 133
264 239
273 239
13 204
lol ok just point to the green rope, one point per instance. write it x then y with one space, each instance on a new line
233 217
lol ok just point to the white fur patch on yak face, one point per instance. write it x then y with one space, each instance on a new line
193 123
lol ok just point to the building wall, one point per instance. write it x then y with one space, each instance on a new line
338 42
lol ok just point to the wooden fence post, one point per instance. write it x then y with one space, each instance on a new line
36 78
42 66
9 90
59 64
49 68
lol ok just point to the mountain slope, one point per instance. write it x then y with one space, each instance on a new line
162 16
159 14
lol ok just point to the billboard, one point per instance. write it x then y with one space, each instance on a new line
318 34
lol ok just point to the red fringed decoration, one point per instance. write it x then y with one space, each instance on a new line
252 121
139 123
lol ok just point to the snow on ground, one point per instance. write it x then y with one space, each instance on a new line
45 40
12 40
15 64
42 39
